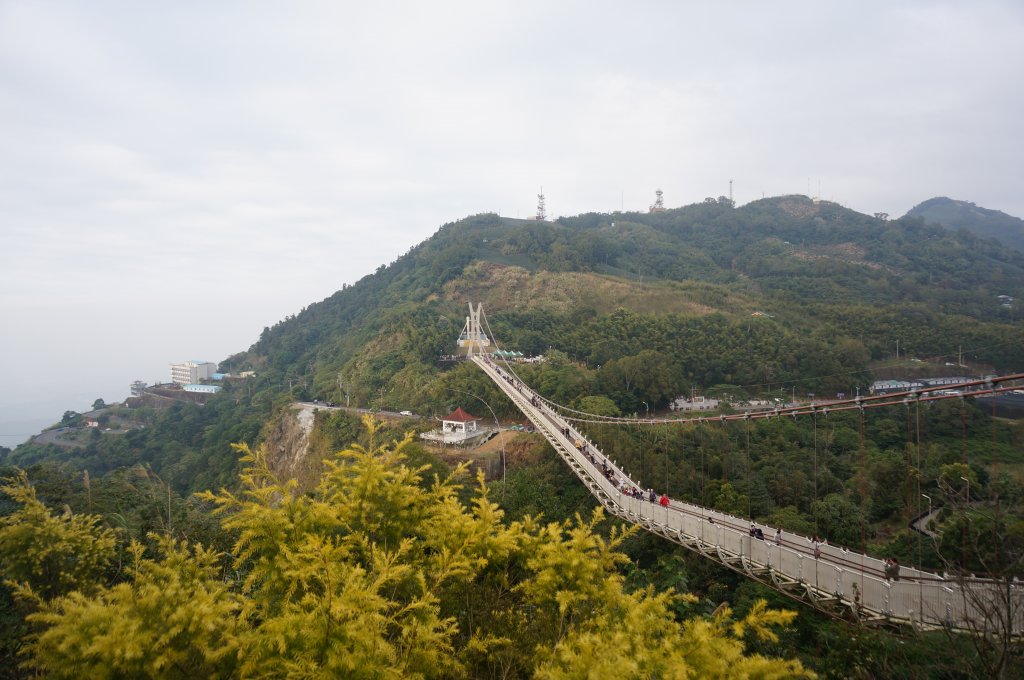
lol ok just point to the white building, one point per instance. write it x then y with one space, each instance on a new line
941 382
694 404
894 386
458 427
192 372
202 389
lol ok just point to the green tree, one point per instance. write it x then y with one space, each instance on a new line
71 419
840 520
731 501
956 479
50 554
173 618
598 405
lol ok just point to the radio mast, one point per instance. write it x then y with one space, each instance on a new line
659 202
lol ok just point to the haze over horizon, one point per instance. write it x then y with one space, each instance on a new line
180 176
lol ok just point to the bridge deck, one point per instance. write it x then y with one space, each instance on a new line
836 580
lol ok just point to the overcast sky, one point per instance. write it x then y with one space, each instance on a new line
176 176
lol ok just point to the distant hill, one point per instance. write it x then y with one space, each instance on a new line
966 215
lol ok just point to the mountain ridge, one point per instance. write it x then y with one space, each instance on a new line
984 222
789 256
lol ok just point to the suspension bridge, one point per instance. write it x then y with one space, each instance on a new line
832 579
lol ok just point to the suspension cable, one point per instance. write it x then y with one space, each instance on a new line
747 462
989 386
815 506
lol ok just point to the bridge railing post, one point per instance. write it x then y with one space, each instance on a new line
920 600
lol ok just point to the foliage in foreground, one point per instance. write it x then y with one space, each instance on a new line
376 574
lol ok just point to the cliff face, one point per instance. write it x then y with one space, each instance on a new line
287 443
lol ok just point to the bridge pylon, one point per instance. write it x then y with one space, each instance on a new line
473 339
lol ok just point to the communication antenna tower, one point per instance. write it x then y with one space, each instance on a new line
730 194
659 202
542 213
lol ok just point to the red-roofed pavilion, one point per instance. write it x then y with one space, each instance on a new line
459 422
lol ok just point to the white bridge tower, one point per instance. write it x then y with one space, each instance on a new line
473 337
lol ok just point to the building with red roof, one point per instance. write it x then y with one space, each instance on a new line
459 421
458 427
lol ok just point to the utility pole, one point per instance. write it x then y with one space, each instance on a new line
341 386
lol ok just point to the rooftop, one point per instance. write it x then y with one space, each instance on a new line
460 416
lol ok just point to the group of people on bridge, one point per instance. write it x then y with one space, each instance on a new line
625 486
513 382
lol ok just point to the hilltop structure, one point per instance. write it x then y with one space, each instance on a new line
542 213
659 202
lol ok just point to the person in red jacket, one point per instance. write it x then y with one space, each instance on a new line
663 501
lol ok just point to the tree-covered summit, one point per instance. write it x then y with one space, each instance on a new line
986 223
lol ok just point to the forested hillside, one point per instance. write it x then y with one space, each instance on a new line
973 218
781 297
847 284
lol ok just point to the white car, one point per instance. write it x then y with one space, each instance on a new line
405 413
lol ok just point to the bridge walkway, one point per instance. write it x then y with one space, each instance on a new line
830 578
